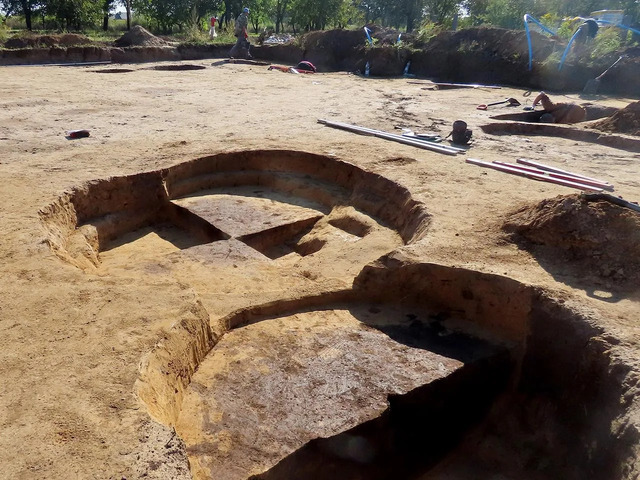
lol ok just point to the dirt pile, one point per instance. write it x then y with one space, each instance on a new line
626 121
597 239
31 41
138 36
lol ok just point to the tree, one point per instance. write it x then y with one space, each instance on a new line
260 12
315 14
107 6
21 7
410 11
74 14
439 11
279 12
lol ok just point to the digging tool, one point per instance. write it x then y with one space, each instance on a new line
511 101
592 86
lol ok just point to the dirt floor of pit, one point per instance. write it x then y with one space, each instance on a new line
72 341
313 375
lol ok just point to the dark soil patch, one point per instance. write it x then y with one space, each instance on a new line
571 234
114 70
31 41
138 36
626 120
172 68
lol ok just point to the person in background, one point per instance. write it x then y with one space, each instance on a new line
241 48
212 28
559 112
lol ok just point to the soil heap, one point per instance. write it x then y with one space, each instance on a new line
32 41
626 121
598 238
139 36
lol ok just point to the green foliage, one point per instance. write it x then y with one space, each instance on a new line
261 11
568 27
429 30
550 20
4 33
314 14
506 13
441 11
607 41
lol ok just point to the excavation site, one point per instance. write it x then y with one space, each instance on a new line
344 358
219 270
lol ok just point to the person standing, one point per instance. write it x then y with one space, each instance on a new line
212 28
241 48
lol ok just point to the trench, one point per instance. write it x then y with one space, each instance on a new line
365 363
528 123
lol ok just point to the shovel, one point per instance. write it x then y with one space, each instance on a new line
592 86
511 101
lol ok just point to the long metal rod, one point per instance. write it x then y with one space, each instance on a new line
592 197
535 176
390 136
457 85
542 166
561 176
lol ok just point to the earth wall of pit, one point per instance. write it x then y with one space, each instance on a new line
476 55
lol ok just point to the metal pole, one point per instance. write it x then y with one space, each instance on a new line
535 176
390 136
542 166
561 176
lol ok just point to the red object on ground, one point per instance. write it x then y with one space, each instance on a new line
78 134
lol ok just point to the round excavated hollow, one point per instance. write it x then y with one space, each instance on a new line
322 352
114 70
347 374
563 131
174 68
593 112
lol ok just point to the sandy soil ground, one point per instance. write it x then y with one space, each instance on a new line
71 341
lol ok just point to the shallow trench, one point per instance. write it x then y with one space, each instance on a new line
399 370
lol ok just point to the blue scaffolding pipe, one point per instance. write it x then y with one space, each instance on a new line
604 22
619 25
368 34
566 50
528 18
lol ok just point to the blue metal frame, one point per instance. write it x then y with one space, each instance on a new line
528 18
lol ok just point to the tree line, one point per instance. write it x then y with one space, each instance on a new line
303 15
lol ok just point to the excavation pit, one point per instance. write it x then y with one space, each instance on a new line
336 354
563 131
278 203
330 387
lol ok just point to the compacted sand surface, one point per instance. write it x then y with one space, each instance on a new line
79 326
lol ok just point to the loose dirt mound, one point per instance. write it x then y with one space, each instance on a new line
66 40
596 238
626 120
138 36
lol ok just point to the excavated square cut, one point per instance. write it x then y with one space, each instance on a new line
248 210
